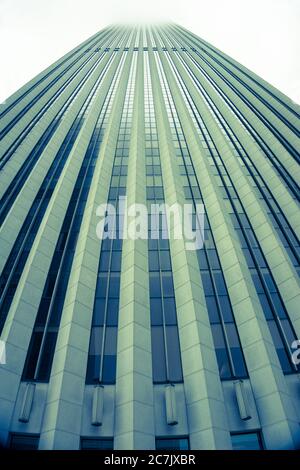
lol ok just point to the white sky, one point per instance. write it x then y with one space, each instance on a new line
264 35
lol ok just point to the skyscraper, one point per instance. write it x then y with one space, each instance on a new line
125 342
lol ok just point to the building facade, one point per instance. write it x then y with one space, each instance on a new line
141 343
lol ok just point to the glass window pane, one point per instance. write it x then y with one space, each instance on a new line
249 258
24 442
251 238
155 290
213 259
113 193
249 441
196 192
110 355
109 369
153 261
218 336
202 259
117 244
226 310
32 355
209 242
275 334
269 281
207 284
116 261
42 312
99 310
172 444
112 312
159 193
93 369
114 286
232 335
238 362
167 282
187 192
284 361
170 311
165 261
46 356
174 356
244 220
266 307
241 238
150 193
152 244
97 444
111 334
219 283
212 309
259 257
236 351
101 285
158 355
221 352
277 302
290 336
257 282
104 261
156 312
96 341
281 352
163 244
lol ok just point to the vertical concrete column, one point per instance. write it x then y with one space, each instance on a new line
134 418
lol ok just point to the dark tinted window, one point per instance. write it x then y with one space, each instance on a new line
248 441
181 443
97 444
24 441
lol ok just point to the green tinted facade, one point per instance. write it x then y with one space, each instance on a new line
143 344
